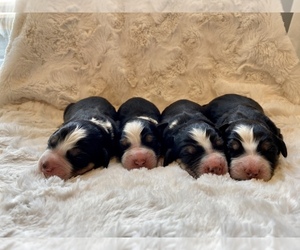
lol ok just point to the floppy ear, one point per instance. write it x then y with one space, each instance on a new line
161 127
281 145
223 128
65 117
169 157
103 158
279 138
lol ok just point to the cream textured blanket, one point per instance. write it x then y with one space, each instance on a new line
57 58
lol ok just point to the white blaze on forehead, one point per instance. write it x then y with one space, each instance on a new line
133 132
247 138
71 139
200 136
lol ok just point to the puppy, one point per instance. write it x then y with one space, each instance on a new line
86 139
139 144
253 142
191 139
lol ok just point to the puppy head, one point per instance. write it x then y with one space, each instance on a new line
75 148
199 150
252 150
139 145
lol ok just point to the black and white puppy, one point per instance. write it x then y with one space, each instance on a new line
253 142
191 139
139 144
85 140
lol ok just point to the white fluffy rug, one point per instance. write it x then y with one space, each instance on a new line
56 58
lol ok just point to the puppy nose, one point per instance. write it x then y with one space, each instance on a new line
252 173
216 170
46 167
139 162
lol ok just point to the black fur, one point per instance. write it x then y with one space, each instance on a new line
230 110
178 120
140 109
99 144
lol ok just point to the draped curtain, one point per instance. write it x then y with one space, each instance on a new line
294 29
7 8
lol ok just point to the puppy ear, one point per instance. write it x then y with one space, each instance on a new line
169 157
65 116
223 128
103 157
279 138
281 145
161 127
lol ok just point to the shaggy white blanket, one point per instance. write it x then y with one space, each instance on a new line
56 58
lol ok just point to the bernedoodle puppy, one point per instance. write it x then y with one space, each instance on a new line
86 139
253 142
191 139
139 144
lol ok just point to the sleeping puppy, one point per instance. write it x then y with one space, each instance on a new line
86 139
139 144
253 142
191 139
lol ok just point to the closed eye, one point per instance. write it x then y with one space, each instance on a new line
149 138
78 158
125 143
74 152
266 146
189 150
235 145
218 143
53 141
191 154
